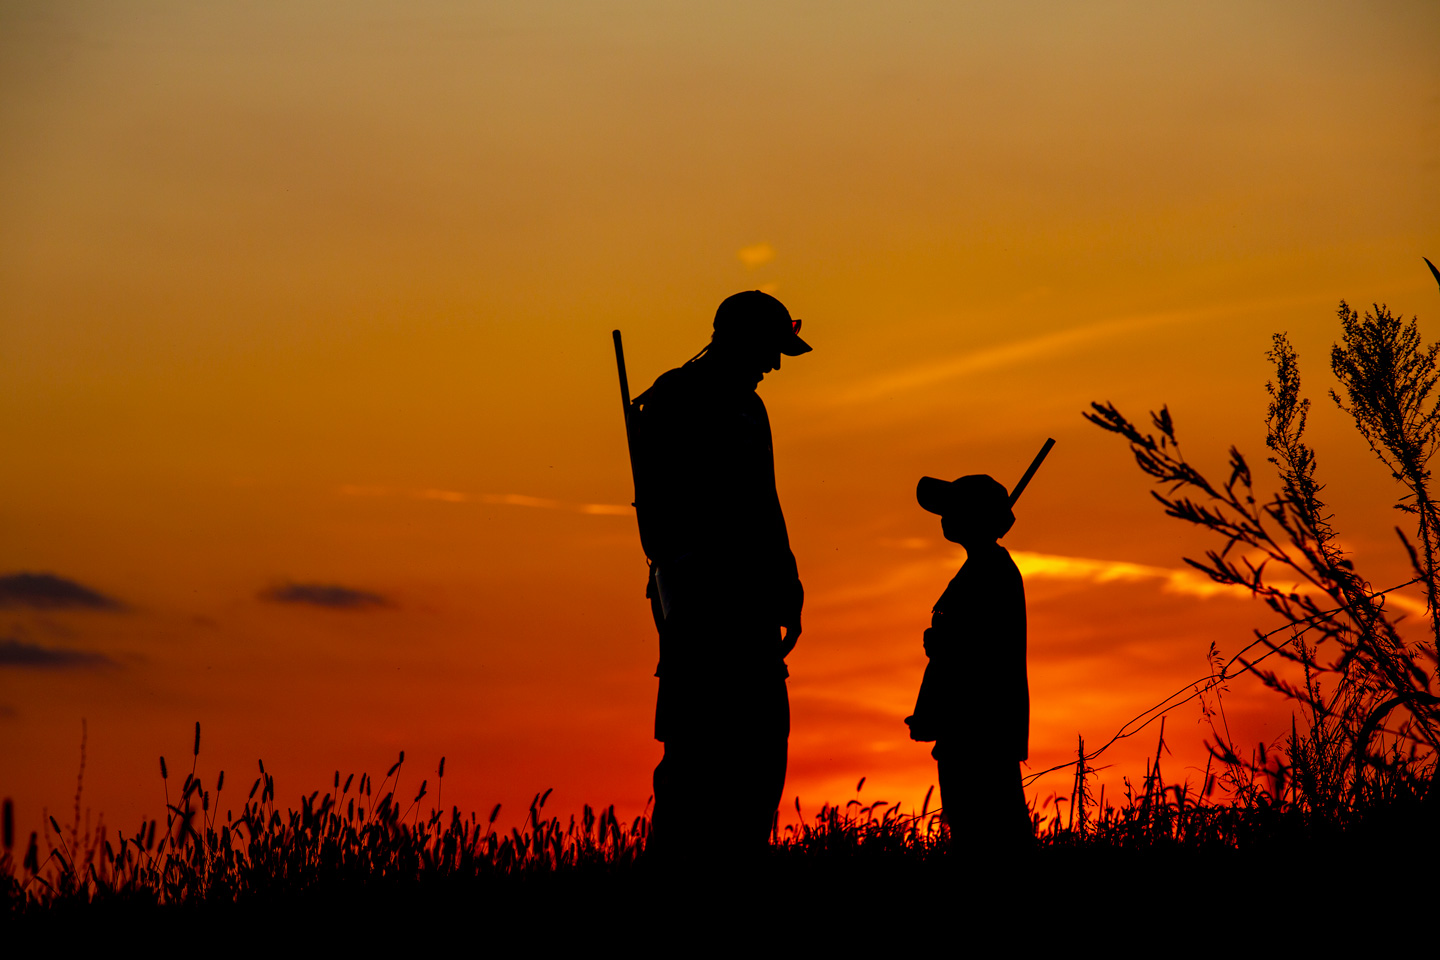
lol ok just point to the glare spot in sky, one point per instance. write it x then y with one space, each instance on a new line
756 254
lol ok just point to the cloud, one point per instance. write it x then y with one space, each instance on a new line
329 595
755 255
1004 355
1413 606
606 509
501 499
45 591
1190 583
1040 566
18 653
518 500
1020 352
444 496
1186 582
904 543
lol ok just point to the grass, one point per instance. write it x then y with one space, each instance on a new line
359 851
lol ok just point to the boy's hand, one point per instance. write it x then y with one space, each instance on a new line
792 637
919 731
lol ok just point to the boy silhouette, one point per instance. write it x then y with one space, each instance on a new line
974 701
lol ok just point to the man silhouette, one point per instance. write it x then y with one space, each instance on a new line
723 583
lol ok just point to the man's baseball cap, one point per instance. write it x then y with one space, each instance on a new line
978 494
759 318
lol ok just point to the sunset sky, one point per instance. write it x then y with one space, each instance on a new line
320 294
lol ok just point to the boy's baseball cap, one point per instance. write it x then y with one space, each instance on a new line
977 493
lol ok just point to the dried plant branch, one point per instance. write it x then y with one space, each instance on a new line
1285 551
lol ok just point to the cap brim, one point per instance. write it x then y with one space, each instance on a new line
794 346
933 495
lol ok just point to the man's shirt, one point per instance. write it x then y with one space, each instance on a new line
705 496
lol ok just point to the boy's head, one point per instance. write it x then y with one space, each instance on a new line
971 508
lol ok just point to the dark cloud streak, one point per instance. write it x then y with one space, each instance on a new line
45 591
332 596
18 653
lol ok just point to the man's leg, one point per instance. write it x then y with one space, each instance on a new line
759 758
720 787
676 789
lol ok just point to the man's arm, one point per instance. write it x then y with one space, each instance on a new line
791 602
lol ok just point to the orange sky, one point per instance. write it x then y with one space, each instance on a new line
322 293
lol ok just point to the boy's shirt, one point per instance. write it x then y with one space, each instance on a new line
976 687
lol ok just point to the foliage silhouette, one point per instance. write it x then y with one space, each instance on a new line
1372 729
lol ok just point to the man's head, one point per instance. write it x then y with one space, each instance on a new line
972 509
755 329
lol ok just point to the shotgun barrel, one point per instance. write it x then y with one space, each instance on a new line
625 402
1034 465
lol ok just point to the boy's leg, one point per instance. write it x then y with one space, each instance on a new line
983 799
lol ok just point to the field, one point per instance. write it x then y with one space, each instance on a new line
357 861
1328 836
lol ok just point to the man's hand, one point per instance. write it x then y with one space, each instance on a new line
792 637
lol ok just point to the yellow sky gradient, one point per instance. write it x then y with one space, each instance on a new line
322 293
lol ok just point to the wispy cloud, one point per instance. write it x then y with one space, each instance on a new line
1185 582
904 543
1003 355
1021 352
18 653
503 499
1190 583
1033 567
45 591
328 595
